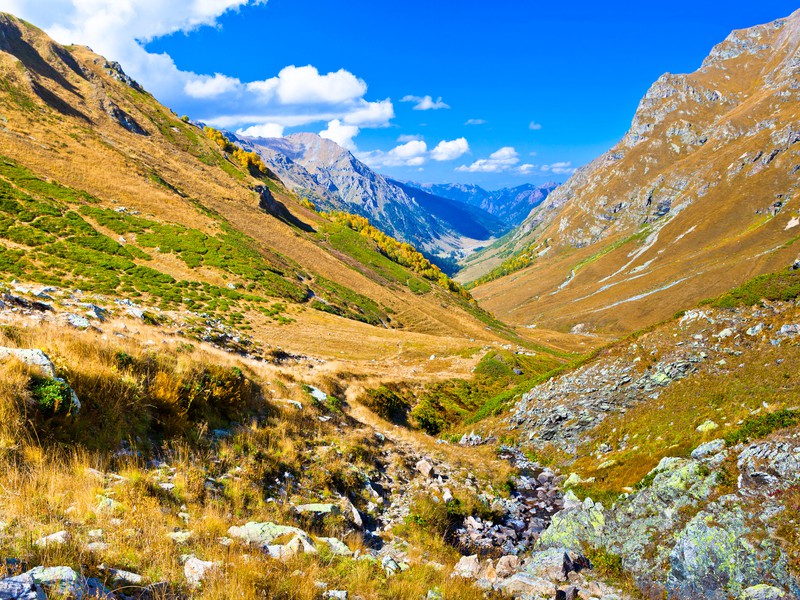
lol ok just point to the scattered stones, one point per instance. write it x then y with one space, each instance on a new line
54 539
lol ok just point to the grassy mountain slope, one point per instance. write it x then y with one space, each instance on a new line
107 190
699 196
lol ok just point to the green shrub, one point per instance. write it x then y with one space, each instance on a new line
52 396
387 403
762 425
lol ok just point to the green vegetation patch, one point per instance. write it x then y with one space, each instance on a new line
762 425
784 285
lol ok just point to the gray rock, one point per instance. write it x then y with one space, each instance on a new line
468 567
195 570
78 321
319 509
54 539
534 587
555 563
337 546
262 534
34 358
708 449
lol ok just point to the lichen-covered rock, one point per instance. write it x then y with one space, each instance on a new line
712 559
262 534
574 527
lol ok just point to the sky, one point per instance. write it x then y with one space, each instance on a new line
496 93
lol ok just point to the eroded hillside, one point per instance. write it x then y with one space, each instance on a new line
699 196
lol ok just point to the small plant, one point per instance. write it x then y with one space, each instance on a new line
52 396
123 360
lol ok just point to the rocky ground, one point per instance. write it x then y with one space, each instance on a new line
720 523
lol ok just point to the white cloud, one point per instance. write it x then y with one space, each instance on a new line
498 162
525 169
205 86
559 168
534 126
414 152
118 29
425 102
476 122
266 130
450 150
371 114
341 134
305 85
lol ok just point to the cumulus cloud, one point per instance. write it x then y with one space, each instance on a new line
425 102
450 150
476 122
205 86
498 162
296 96
559 168
409 138
266 130
305 85
414 153
534 126
341 133
525 169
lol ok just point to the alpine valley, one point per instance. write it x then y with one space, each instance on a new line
248 367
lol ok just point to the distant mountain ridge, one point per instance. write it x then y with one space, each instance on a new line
511 205
334 179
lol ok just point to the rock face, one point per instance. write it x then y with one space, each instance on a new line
679 536
665 213
333 179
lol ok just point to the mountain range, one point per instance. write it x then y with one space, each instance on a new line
511 205
332 178
698 196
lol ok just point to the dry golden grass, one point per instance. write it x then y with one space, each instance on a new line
50 487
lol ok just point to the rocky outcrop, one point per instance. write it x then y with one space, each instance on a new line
685 536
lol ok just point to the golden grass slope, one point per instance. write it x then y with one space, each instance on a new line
700 195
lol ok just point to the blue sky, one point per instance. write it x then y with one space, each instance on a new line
512 91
